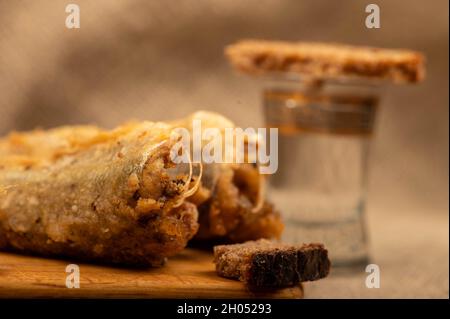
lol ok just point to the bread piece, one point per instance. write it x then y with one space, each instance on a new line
265 263
322 60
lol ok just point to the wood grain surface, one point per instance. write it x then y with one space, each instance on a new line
190 274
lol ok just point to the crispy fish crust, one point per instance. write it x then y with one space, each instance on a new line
264 263
229 215
92 194
231 199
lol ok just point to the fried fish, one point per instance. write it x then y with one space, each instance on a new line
117 197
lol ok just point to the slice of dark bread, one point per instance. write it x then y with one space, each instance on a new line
327 60
264 263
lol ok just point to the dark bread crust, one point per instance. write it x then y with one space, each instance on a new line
265 263
273 269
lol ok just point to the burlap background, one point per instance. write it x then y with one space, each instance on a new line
158 59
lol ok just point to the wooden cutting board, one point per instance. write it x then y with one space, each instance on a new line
188 275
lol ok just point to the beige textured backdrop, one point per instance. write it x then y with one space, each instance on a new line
158 59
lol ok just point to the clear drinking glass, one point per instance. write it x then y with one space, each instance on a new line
325 128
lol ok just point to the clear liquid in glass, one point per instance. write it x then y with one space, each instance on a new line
320 185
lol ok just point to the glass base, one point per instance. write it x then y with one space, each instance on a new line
345 241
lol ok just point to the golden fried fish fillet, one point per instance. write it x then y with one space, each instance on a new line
116 196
